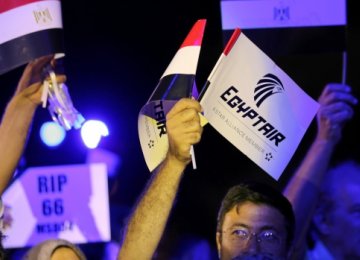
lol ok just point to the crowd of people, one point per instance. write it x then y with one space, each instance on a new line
256 221
316 216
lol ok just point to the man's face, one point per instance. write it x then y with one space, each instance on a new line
344 225
252 231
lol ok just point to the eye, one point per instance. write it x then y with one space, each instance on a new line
269 236
240 233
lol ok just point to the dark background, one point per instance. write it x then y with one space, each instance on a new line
115 55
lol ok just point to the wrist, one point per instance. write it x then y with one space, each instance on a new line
20 104
175 162
326 142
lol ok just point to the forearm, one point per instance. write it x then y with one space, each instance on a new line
304 187
14 130
147 223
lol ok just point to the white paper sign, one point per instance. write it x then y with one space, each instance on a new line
256 106
67 201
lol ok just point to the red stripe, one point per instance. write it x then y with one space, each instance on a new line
6 5
232 41
194 38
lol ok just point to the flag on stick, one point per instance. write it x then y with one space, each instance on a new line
178 81
256 106
29 29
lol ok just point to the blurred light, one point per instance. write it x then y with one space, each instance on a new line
52 134
92 131
112 160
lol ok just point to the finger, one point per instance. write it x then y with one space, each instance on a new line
59 78
53 62
41 62
33 72
191 139
186 115
336 96
183 124
337 114
182 104
188 127
338 118
331 87
337 107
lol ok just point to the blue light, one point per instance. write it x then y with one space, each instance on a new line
92 131
52 134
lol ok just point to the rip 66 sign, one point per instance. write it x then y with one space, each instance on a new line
68 201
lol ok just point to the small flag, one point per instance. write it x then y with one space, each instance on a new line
296 26
256 106
29 29
178 81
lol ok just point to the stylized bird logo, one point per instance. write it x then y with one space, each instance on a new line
267 86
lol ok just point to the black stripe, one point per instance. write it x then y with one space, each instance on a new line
203 90
174 87
296 40
21 50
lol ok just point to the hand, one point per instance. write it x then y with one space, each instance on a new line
183 128
29 88
336 103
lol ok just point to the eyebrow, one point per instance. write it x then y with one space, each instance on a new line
239 225
266 227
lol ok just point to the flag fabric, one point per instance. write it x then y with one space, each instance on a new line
177 81
296 26
256 106
29 29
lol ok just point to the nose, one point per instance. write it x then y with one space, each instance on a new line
252 245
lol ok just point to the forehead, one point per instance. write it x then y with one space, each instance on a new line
255 217
348 191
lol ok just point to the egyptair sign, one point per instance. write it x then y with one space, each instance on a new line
66 201
256 106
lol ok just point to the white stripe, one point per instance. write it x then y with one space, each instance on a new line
274 13
30 18
99 199
184 62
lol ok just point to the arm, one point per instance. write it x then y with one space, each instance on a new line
303 188
147 223
18 116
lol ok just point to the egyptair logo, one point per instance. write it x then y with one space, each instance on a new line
267 86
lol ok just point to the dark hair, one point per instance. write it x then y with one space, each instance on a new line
258 193
2 249
343 172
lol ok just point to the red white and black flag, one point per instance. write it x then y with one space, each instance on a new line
294 26
29 29
177 81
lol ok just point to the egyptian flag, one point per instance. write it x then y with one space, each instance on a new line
256 106
297 26
178 81
29 29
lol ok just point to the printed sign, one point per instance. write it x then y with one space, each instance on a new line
257 106
67 201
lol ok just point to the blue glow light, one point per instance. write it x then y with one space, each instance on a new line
52 134
92 131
